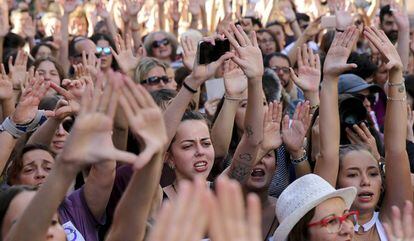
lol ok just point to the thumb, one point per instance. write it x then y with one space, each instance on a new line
49 113
347 67
124 156
143 158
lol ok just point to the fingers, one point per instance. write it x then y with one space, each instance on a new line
66 94
254 217
407 220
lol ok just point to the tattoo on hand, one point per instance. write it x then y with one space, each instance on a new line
242 168
249 131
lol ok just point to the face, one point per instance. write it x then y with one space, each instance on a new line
281 67
161 47
83 45
367 98
157 71
390 28
15 211
192 152
106 58
36 167
59 138
172 85
247 24
261 175
381 76
266 43
49 72
278 31
359 169
43 51
331 208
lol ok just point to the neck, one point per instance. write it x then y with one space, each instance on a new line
365 216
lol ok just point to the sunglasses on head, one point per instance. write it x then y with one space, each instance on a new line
158 43
67 124
371 98
104 50
285 70
156 80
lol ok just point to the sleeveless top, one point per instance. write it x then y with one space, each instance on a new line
375 221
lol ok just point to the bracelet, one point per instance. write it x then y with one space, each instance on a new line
189 88
339 30
233 98
300 159
314 107
395 99
395 84
17 130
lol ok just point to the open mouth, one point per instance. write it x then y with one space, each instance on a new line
257 172
200 166
365 196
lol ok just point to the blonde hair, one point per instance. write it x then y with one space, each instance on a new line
171 38
145 65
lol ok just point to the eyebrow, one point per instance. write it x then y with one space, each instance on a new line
357 169
202 139
32 162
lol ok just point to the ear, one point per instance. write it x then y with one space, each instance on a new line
169 159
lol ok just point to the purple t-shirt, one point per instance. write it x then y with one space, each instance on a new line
76 218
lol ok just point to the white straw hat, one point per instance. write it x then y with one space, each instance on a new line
301 196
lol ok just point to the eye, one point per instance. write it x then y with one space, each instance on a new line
186 147
54 222
332 221
206 143
28 170
374 174
243 105
351 175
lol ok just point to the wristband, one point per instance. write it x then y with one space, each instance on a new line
395 99
301 159
233 98
189 88
17 130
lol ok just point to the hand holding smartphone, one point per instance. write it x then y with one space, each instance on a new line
210 53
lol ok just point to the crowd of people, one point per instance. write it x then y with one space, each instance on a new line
114 128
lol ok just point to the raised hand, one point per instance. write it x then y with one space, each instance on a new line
272 136
69 5
27 107
101 10
189 52
17 71
29 28
203 72
6 86
400 16
235 81
287 11
4 19
341 47
81 82
401 226
249 56
230 218
69 106
90 140
133 7
125 57
174 12
343 15
293 134
309 70
194 7
91 63
224 23
361 135
385 47
145 120
185 216
313 28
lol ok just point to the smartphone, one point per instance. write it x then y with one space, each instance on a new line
210 53
328 21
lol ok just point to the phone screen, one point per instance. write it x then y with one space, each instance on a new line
210 53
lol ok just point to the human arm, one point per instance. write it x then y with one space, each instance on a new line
6 94
195 10
161 17
327 164
309 74
290 17
235 83
124 55
401 226
68 7
107 18
4 23
146 123
398 182
403 23
249 59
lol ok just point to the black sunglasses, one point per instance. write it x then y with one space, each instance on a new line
371 98
158 43
156 80
67 124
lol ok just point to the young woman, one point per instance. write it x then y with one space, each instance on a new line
152 74
355 165
50 70
191 152
104 43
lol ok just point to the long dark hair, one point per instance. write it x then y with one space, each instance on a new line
300 231
100 36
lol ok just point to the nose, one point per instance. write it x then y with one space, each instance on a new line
60 131
200 150
347 228
365 180
367 104
40 173
395 27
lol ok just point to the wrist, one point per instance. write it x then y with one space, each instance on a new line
296 154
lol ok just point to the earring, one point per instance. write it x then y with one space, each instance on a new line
172 166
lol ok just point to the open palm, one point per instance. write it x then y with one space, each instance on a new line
272 137
235 81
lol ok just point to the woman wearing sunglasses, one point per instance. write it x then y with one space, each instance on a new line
152 74
104 43
162 46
